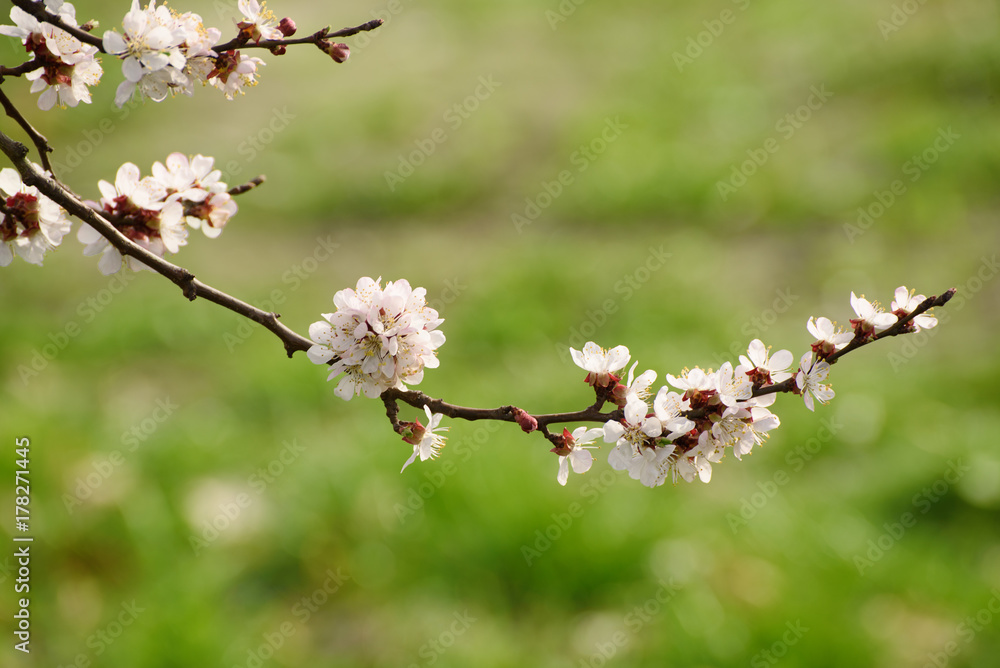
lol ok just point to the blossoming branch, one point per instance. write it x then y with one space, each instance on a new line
379 340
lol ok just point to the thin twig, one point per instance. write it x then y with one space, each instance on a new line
241 42
40 142
248 186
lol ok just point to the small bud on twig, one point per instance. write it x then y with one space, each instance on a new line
338 51
287 27
527 423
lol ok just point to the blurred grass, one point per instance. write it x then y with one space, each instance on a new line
341 503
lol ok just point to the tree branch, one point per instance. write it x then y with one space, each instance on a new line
37 9
185 280
40 142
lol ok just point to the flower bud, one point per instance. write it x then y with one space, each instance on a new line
278 49
412 432
338 51
563 443
287 27
527 423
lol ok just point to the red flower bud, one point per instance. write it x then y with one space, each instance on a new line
339 52
287 27
527 423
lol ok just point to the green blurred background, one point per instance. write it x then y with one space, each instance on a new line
173 410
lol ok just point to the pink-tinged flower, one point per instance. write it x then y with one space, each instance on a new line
149 47
232 72
809 381
600 364
426 441
766 369
904 304
207 204
377 338
828 337
871 318
67 67
32 225
575 450
138 209
258 21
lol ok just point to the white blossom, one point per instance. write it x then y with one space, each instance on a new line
67 68
32 225
905 301
600 364
698 460
579 455
871 318
430 441
775 366
828 337
630 434
810 379
258 21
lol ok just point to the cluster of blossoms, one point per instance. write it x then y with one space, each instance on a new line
30 223
699 416
66 66
162 51
688 426
379 338
155 211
